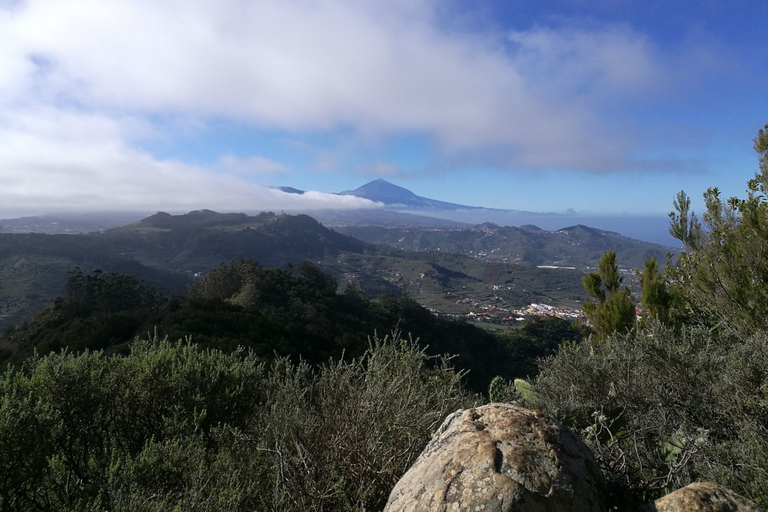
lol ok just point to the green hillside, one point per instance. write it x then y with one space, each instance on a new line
575 246
169 251
295 313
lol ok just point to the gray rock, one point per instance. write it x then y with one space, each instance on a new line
702 497
501 458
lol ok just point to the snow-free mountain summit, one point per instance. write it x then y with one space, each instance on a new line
382 191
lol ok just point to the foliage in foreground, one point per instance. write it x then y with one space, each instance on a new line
173 426
684 395
611 309
661 410
723 273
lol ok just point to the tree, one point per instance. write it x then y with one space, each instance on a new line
88 294
656 296
612 310
663 407
723 273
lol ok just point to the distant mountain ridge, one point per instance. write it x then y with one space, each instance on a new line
291 190
395 199
575 246
66 223
382 217
382 191
400 208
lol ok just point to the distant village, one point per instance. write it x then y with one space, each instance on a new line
510 317
503 316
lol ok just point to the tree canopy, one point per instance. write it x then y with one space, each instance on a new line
723 273
612 309
681 398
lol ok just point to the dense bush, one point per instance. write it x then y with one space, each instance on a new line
661 410
99 310
173 426
537 338
346 435
89 418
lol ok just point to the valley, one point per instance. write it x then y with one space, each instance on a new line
479 273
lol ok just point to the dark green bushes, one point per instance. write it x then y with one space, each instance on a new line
661 410
537 338
173 426
346 435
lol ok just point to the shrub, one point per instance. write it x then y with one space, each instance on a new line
172 426
661 410
345 435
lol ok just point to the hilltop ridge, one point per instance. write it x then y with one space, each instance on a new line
382 191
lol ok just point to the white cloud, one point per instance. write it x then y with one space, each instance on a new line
589 64
54 160
378 67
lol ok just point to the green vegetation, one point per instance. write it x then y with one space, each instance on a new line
576 246
683 396
177 427
34 269
536 339
662 409
451 283
98 311
612 310
723 275
657 298
294 313
28 284
283 402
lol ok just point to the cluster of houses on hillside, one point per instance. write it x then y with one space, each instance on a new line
547 310
494 314
502 316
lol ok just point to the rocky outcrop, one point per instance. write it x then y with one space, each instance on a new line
702 497
501 458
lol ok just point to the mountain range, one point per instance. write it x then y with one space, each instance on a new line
398 200
382 191
576 246
399 208
412 246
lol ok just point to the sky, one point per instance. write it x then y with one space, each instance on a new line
599 107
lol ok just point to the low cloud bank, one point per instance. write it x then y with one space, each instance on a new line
55 161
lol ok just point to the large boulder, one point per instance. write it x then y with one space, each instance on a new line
501 457
702 497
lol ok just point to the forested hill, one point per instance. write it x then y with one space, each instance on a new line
163 250
200 240
575 246
296 313
169 251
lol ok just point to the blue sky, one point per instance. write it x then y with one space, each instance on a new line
603 107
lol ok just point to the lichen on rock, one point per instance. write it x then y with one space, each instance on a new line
501 458
702 497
